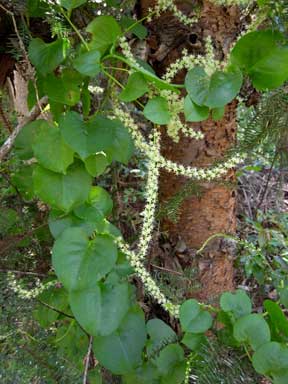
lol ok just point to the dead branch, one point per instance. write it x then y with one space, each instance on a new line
33 114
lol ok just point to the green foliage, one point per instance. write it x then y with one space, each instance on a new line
48 142
97 297
121 351
213 91
194 112
262 55
71 4
88 63
264 254
238 303
97 135
135 88
62 192
47 56
156 110
271 360
252 329
104 31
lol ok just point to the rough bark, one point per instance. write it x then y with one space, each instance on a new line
214 211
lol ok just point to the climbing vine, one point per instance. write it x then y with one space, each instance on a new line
64 152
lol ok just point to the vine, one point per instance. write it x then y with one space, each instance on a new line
89 256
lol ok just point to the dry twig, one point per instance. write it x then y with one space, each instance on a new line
34 113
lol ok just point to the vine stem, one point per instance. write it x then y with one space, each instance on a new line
112 78
224 235
67 17
87 360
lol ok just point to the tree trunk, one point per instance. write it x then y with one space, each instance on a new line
214 211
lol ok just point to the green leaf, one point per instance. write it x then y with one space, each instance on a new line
271 359
95 376
88 63
98 134
177 375
193 341
24 140
105 31
47 57
100 199
62 192
135 87
194 112
121 352
22 178
59 222
72 342
80 263
57 298
138 29
214 91
277 317
71 4
99 204
193 319
252 329
238 303
159 333
168 358
146 374
156 110
36 8
218 113
50 149
262 56
63 89
100 308
96 164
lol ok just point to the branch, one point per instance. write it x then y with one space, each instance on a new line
87 360
33 114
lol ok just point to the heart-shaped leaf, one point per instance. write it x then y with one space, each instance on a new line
213 91
168 358
121 352
62 192
50 149
194 112
63 89
271 359
105 31
100 308
80 263
193 318
262 55
238 303
156 110
135 87
88 63
47 56
96 164
252 329
159 333
98 134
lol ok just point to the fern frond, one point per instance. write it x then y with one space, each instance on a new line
264 129
171 208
